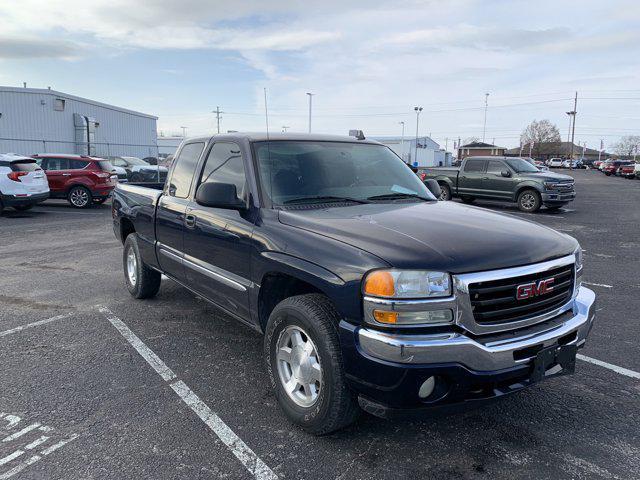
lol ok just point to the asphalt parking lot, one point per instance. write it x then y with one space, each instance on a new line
106 386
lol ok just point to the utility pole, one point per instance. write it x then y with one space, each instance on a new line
417 110
446 144
573 128
184 132
284 129
402 141
486 106
217 111
601 148
310 97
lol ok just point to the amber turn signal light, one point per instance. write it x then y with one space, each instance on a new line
380 284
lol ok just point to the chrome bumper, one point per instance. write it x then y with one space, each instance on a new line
482 354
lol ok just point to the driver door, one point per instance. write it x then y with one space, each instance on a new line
494 184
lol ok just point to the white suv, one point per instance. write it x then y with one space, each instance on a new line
554 162
22 182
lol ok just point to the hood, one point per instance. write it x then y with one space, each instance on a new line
442 236
546 176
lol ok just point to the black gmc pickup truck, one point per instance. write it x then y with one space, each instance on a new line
509 179
370 293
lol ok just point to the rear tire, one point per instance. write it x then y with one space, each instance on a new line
23 208
529 201
80 197
142 281
304 362
445 192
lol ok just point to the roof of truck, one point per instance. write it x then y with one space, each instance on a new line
263 136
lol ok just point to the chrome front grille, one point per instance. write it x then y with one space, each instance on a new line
487 301
495 302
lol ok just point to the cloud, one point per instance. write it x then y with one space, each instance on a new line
26 48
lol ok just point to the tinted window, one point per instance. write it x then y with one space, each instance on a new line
184 168
57 164
77 164
25 166
520 165
294 171
474 166
224 165
495 167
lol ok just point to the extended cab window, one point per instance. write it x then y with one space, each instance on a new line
224 165
184 168
495 167
77 164
474 166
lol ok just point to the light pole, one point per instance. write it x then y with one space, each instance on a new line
417 110
486 105
402 140
310 98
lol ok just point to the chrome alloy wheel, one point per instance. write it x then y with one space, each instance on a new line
528 201
299 366
132 267
79 197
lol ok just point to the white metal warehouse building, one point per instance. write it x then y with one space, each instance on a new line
34 120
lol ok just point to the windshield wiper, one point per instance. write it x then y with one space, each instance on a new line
323 199
398 195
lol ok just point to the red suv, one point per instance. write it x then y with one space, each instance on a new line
82 180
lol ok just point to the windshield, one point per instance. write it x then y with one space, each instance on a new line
520 165
295 171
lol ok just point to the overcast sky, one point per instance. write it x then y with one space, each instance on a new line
368 62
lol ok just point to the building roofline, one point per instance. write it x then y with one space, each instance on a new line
56 93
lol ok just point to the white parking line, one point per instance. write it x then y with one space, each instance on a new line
247 457
34 324
615 368
598 284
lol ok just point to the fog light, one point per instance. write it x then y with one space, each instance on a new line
427 387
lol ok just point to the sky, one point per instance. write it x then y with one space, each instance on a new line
368 63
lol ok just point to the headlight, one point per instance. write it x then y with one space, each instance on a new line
407 284
578 255
550 185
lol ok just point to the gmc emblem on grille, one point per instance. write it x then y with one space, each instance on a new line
534 289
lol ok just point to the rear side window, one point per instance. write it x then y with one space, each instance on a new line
474 166
183 170
77 164
24 166
224 165
56 164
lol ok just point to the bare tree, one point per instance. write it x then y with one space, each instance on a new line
628 145
540 133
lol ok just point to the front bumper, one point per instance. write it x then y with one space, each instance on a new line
557 196
386 369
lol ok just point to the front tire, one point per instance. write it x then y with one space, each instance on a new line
304 362
80 197
142 281
529 201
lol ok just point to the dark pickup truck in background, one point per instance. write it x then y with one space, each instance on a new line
510 179
370 293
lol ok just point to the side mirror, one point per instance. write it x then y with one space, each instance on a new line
433 187
505 173
219 195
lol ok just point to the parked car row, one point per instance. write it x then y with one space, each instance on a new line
82 180
620 168
565 163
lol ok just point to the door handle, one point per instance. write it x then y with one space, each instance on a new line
190 221
66 174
